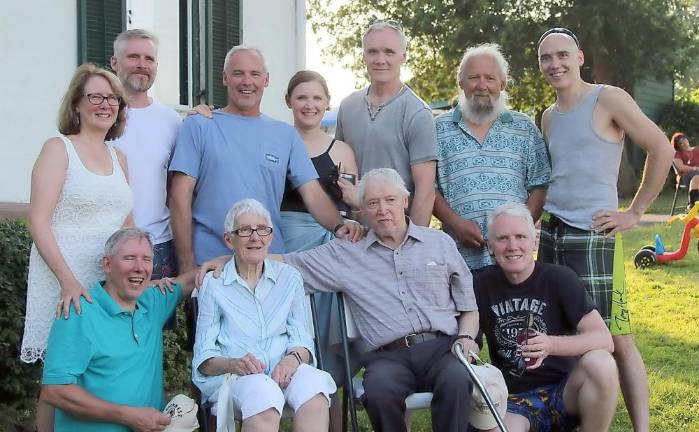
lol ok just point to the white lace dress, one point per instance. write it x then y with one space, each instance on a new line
90 208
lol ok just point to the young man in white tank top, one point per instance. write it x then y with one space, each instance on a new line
580 227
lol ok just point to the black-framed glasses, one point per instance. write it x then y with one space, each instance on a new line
262 231
97 99
559 30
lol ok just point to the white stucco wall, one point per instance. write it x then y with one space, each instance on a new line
39 65
281 47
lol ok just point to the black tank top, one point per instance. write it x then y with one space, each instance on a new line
327 177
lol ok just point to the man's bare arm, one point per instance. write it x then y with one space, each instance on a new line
319 205
79 403
535 202
467 232
642 131
423 200
180 195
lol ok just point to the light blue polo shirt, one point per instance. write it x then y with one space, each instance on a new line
474 178
114 355
236 157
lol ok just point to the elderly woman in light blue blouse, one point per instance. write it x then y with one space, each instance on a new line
253 345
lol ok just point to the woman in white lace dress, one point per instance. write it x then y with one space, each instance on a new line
79 197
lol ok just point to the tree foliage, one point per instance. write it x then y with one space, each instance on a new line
623 39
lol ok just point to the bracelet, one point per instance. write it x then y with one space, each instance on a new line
337 227
296 355
464 336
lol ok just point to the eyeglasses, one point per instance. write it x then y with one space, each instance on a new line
97 99
262 231
559 30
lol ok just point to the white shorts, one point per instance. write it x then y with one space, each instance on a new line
253 394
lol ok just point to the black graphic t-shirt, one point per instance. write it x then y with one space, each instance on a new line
555 298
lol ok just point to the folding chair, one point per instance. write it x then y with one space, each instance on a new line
354 385
678 185
207 411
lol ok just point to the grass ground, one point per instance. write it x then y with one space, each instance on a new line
664 305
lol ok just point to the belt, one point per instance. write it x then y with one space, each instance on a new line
410 340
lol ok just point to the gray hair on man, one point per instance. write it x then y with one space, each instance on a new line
490 49
128 35
514 209
245 206
383 25
387 176
111 247
237 48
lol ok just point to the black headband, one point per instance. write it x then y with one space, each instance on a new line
559 30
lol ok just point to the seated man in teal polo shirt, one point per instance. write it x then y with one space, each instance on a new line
104 367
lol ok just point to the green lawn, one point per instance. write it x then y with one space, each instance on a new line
664 305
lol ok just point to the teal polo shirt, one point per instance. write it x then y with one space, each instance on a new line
115 355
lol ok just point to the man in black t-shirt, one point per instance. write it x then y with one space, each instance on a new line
544 334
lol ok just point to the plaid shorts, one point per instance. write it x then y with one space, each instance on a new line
599 262
544 408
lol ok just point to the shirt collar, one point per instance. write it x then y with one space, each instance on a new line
106 302
413 231
230 273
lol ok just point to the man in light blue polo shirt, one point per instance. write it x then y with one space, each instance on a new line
240 153
104 367
486 155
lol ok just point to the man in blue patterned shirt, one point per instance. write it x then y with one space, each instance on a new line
486 155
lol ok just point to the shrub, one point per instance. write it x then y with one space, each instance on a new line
20 382
19 387
682 117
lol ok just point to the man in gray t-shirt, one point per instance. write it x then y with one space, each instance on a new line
387 124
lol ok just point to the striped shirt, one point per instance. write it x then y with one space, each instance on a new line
422 285
234 321
475 177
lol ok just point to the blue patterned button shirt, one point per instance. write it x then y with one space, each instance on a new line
234 321
476 178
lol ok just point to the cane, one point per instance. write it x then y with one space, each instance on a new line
458 351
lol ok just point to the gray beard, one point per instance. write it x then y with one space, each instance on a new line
478 114
135 84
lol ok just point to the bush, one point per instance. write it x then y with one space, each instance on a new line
19 387
682 117
20 382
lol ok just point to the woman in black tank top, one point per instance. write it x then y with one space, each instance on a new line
307 96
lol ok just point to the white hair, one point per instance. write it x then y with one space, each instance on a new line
237 48
490 49
111 247
245 206
128 35
387 176
514 209
384 25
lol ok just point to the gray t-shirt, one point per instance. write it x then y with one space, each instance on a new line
400 133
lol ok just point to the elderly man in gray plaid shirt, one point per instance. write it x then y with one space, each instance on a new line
411 295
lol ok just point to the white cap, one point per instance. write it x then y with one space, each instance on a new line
480 416
183 411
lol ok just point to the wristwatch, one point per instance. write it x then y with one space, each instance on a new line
337 227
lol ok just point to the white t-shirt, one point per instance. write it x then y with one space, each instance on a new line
147 142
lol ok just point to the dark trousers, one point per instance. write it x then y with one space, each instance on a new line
165 265
391 376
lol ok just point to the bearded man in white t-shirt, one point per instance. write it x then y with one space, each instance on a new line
147 142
